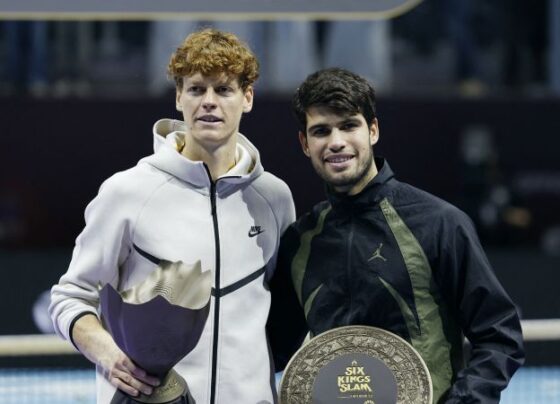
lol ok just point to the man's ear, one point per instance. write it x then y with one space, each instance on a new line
178 105
374 132
303 141
248 99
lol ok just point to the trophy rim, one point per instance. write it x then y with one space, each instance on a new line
352 329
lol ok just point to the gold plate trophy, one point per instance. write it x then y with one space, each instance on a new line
356 365
157 323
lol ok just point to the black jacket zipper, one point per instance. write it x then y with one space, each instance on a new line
349 243
217 289
216 297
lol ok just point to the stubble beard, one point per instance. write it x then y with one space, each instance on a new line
345 180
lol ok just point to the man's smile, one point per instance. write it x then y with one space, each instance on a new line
338 160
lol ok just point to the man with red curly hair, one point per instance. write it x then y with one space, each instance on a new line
203 196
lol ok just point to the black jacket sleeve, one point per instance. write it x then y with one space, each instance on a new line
286 325
486 314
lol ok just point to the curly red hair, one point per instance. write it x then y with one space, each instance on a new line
210 52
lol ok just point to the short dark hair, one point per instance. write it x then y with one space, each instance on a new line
337 89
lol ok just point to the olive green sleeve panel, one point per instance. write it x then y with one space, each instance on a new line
309 301
299 263
431 342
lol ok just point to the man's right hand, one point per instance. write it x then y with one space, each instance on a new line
99 347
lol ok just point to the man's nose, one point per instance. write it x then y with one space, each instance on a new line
337 141
209 99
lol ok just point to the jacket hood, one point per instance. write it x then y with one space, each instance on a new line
169 134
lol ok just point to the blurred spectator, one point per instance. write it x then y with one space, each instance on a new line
162 40
292 54
525 43
441 46
73 47
26 57
458 19
554 46
488 199
363 47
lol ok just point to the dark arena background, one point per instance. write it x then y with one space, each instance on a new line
468 98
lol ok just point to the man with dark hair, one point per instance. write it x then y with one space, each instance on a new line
201 200
382 253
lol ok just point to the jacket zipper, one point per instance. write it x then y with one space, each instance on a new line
349 269
217 289
217 294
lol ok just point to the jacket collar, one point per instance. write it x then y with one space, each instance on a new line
369 196
168 133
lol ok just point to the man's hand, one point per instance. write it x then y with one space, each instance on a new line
99 347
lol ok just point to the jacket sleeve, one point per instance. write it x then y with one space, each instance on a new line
101 247
286 210
286 325
486 314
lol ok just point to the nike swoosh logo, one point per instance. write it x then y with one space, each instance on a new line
255 232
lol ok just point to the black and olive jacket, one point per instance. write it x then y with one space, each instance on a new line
398 258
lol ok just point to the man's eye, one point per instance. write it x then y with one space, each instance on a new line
348 126
195 89
223 89
320 132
